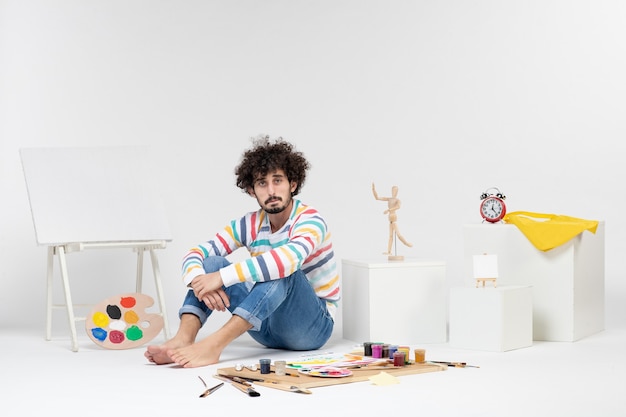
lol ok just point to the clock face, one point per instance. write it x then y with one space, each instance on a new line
492 209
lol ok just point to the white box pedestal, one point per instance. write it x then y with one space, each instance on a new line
567 281
401 302
494 319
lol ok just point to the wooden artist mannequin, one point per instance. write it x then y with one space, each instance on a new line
393 204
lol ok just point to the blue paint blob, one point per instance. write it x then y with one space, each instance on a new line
99 333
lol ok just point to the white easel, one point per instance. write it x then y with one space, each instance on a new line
94 198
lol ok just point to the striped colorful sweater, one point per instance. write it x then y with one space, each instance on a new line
304 242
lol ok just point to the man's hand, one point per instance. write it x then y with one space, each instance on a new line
208 288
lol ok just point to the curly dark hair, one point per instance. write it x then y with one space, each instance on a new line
266 156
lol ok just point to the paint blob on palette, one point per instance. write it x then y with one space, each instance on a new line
121 322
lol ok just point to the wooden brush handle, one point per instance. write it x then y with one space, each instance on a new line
284 387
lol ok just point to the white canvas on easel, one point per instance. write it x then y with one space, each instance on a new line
485 269
92 198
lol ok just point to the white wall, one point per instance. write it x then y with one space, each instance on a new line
442 98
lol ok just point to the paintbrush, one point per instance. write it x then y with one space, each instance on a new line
284 387
455 364
270 383
209 391
243 386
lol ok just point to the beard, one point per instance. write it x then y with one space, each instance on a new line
276 209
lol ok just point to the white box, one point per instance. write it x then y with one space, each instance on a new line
495 319
401 302
567 281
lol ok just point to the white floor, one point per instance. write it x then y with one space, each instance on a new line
583 378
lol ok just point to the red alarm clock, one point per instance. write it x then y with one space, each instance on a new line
492 207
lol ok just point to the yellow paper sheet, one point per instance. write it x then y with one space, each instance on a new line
384 378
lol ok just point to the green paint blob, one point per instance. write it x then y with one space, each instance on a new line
134 333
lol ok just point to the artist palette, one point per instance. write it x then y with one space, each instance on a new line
121 322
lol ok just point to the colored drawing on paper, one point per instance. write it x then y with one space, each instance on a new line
121 322
327 372
317 361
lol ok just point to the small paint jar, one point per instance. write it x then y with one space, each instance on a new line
385 352
420 355
377 351
265 365
392 349
367 348
405 350
398 358
280 367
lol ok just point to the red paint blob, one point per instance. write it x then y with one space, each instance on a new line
116 336
128 302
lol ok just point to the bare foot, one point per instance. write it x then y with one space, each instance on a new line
203 353
158 354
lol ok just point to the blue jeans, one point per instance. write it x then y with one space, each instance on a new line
284 313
